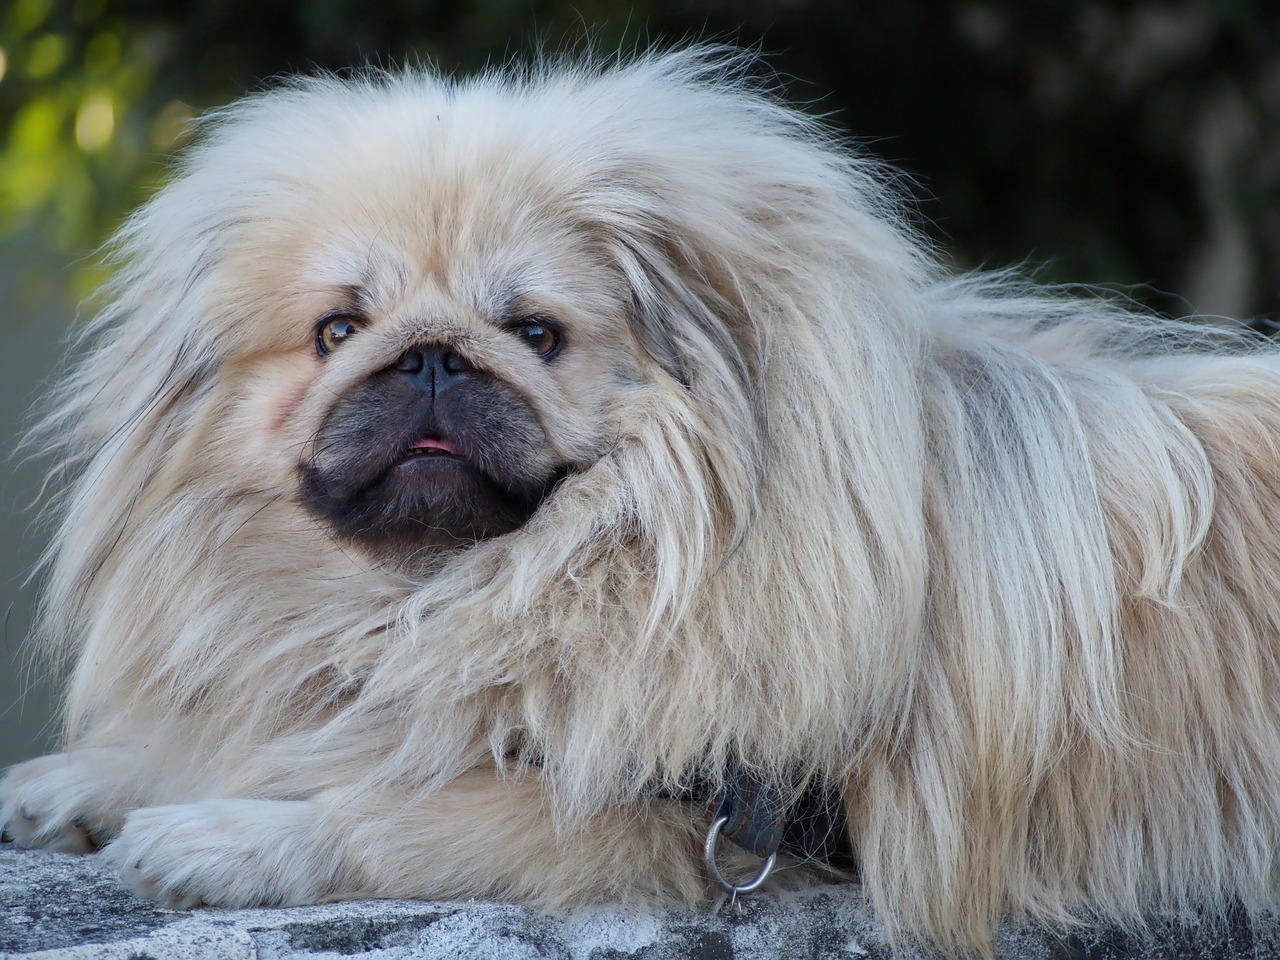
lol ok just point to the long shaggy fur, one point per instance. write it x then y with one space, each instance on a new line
1000 560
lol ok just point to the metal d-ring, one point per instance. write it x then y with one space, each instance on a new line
709 858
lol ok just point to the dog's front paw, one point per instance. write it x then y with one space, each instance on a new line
68 802
224 853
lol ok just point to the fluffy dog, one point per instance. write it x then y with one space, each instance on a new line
459 472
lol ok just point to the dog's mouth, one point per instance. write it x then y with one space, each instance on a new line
430 447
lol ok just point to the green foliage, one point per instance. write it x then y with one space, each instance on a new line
78 121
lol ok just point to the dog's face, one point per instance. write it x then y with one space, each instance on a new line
443 351
412 316
434 447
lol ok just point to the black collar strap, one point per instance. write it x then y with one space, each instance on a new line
754 817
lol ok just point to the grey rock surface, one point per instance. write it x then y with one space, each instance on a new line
58 906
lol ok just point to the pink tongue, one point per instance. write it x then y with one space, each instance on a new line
434 443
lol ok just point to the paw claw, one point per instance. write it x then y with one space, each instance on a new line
69 802
180 899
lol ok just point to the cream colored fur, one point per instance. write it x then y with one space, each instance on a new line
1001 560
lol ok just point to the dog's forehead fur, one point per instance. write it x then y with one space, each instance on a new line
423 249
492 188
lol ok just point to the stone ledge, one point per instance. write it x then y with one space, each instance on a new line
71 908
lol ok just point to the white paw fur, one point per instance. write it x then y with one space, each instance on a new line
224 853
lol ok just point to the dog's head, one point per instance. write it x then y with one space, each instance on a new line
427 306
412 309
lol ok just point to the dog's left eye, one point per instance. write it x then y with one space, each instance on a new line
334 332
542 338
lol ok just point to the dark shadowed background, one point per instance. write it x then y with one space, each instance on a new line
1133 144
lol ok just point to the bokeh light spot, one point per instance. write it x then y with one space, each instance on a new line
95 121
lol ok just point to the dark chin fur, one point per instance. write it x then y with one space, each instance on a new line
358 480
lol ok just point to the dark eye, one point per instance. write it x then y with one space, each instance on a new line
334 332
542 338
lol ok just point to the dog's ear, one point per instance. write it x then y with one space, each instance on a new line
649 325
684 317
694 321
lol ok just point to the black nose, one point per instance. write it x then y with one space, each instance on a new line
433 368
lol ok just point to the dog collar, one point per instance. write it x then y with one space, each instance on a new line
753 816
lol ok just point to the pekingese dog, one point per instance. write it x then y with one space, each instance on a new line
539 486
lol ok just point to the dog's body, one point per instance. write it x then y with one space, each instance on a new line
658 446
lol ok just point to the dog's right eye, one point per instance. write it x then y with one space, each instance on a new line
541 336
333 332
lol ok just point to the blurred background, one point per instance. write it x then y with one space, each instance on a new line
1128 143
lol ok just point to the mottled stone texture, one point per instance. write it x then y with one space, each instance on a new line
58 906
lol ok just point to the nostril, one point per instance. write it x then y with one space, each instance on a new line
453 363
411 362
